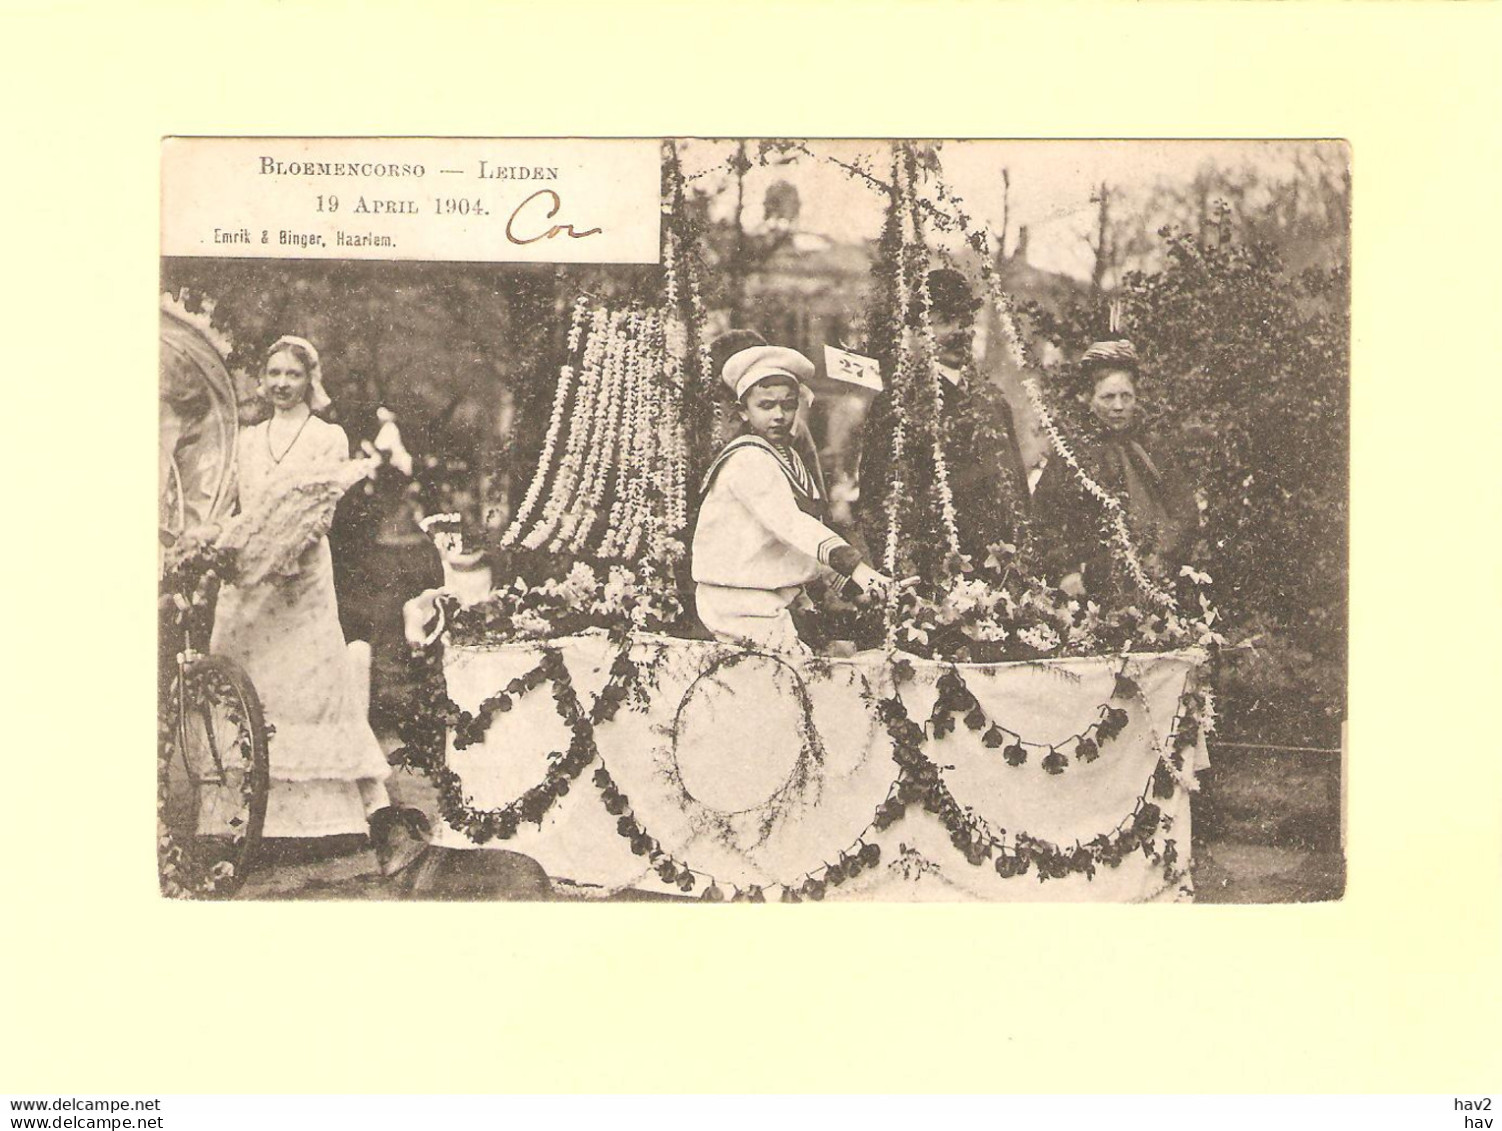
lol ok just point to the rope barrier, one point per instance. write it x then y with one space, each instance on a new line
1265 746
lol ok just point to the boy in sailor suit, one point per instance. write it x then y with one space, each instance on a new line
759 538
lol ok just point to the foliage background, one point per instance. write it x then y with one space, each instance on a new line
1246 369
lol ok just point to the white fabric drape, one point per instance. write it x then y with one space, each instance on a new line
720 768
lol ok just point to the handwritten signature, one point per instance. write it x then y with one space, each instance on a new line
554 230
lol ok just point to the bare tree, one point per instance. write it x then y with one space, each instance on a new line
1006 212
1102 242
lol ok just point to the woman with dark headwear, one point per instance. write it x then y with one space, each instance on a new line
1161 510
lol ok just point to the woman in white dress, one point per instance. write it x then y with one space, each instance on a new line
280 620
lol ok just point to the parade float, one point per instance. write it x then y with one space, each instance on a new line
979 735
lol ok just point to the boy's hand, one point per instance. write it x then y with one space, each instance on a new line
871 582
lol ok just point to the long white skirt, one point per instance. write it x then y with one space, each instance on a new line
327 767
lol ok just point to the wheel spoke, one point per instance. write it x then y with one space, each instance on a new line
205 707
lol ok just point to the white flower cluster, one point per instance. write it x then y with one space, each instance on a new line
604 434
970 596
618 488
1207 713
565 476
579 586
1041 637
555 425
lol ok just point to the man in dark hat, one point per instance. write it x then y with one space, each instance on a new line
986 474
1161 510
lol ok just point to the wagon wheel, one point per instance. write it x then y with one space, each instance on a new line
213 778
173 519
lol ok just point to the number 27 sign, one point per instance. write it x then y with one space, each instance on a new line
852 367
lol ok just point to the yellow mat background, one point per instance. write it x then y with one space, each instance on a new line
109 989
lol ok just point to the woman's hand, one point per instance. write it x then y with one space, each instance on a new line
371 458
194 540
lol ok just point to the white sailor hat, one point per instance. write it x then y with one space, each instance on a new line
746 368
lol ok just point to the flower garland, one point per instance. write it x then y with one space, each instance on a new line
611 457
555 424
896 493
483 825
672 444
705 424
811 754
926 361
916 392
919 782
1120 539
669 870
955 698
630 514
612 482
596 434
565 477
624 439
621 398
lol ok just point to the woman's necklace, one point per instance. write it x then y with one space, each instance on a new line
271 452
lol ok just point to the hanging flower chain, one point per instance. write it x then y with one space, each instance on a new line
929 364
483 825
1120 534
598 436
897 490
625 513
955 698
555 424
566 481
919 781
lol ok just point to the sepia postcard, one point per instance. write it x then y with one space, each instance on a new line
753 519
